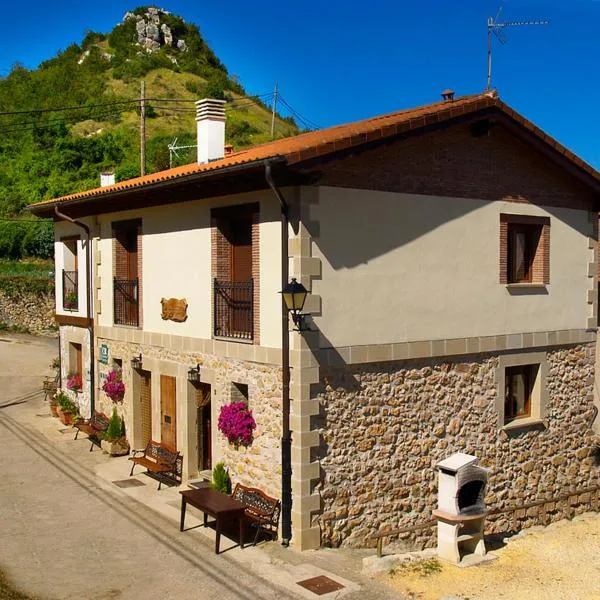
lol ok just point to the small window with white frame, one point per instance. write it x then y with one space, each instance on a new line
522 393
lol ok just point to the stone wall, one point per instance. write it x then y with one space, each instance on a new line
257 466
384 426
34 312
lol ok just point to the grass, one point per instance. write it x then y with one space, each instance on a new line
26 268
9 592
424 568
13 328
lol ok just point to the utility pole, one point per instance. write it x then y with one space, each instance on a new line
274 111
143 128
497 28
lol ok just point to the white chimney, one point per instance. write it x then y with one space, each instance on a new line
107 179
210 117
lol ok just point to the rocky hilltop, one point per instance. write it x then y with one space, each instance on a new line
152 33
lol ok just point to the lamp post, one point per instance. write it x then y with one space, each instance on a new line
294 296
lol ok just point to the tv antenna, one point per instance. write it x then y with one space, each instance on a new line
497 28
173 147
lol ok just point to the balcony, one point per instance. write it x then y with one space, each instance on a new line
70 292
234 309
126 302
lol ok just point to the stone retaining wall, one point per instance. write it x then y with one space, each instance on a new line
34 312
385 426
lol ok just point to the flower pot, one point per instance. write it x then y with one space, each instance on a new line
54 409
118 447
66 418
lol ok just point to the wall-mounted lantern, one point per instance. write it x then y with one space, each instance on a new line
136 362
294 296
194 374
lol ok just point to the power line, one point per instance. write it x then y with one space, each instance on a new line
115 103
307 122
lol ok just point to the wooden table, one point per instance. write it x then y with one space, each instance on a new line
220 506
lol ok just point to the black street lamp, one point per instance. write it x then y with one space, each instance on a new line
194 374
136 362
294 296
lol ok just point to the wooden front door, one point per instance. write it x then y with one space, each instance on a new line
146 406
203 426
168 422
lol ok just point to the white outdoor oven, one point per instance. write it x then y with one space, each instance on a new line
461 507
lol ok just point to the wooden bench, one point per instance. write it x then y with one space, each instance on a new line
161 462
261 510
92 427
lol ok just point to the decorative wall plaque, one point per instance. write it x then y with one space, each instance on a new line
174 309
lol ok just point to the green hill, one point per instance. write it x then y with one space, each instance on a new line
45 152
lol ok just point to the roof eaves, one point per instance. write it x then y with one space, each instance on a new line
167 181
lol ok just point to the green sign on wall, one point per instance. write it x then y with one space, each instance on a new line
104 354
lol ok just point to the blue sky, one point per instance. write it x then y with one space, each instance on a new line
339 61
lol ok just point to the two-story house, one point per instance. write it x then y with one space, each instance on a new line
449 252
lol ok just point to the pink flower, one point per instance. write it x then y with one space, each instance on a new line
114 387
237 423
74 382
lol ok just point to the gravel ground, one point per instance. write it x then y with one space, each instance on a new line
558 562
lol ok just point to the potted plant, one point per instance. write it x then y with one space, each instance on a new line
67 409
237 424
75 383
54 404
113 386
114 440
221 482
70 301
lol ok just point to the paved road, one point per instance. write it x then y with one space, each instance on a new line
64 534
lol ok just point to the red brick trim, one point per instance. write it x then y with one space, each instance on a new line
541 261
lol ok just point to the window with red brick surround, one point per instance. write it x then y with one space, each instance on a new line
127 289
235 271
524 249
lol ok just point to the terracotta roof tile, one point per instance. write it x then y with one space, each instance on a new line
317 143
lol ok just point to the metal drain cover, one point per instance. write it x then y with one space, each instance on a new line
320 585
126 483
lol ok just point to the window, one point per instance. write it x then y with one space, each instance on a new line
522 393
524 249
235 270
70 293
75 359
239 392
126 273
522 244
518 389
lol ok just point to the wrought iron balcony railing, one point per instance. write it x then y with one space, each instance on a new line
70 293
126 302
234 309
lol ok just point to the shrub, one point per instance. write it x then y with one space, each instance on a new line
221 482
65 403
237 423
115 426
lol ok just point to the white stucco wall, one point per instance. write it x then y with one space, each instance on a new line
400 267
176 263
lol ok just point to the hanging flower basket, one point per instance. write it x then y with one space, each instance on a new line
237 424
114 387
